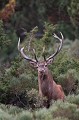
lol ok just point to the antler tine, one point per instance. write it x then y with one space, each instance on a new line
59 48
44 54
55 36
19 44
23 54
62 35
35 55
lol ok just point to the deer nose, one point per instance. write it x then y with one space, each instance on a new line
41 70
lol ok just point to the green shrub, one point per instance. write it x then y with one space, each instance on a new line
5 115
65 109
4 41
25 115
43 114
69 81
74 50
59 110
73 99
60 118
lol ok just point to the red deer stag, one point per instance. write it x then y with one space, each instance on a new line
47 86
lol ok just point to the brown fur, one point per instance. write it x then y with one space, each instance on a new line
48 87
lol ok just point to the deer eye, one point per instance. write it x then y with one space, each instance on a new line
37 66
45 65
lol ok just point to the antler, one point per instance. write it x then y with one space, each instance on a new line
35 55
59 48
25 56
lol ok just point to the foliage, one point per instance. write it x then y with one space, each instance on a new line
75 49
64 63
63 13
66 110
3 37
8 10
73 11
69 81
58 111
65 70
73 99
7 44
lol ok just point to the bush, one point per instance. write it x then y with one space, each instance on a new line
59 110
25 115
74 50
73 99
5 115
65 109
69 81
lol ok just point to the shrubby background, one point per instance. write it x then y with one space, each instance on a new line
35 22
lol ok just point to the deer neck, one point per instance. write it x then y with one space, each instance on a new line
44 80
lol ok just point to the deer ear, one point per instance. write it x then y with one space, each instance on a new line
50 61
33 64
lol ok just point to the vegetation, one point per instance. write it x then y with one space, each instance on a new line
58 111
35 22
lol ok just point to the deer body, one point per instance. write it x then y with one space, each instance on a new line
47 86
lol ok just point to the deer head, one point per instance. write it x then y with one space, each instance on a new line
45 81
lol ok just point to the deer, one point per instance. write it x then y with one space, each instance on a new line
47 86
